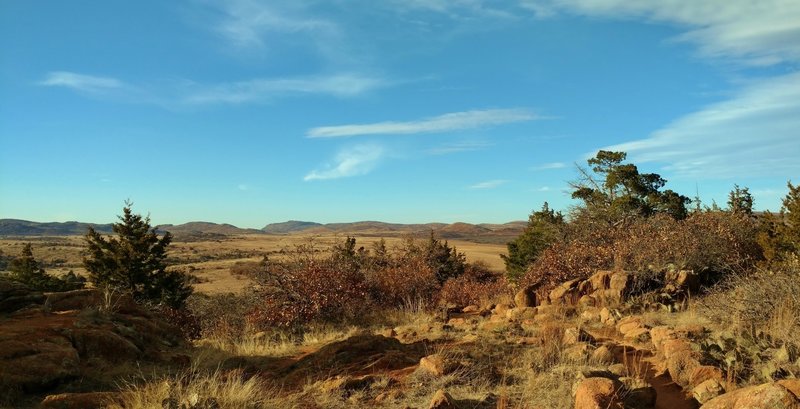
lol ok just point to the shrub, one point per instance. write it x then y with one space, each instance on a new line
477 286
222 315
544 227
409 280
134 262
763 305
292 294
27 270
712 244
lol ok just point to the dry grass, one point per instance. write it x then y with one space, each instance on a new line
211 259
212 351
227 390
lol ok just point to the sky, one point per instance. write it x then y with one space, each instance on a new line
252 112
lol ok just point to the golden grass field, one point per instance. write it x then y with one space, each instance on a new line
211 259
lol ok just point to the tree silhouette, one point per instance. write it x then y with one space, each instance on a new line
134 262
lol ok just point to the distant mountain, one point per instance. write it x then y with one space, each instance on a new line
288 227
498 233
205 228
15 227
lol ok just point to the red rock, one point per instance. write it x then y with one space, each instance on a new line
765 396
442 400
92 400
703 373
433 364
525 297
597 393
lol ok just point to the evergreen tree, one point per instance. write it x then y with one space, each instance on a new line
791 216
446 261
615 191
740 200
26 269
779 236
134 262
544 227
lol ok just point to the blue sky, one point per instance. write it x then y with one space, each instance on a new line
249 112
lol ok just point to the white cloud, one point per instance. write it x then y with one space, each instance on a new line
544 189
752 134
442 123
248 23
189 93
489 184
358 160
762 32
464 146
81 82
551 165
342 85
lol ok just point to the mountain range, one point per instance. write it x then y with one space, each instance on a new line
15 227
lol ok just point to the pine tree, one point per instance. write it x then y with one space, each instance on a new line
740 200
26 269
135 262
543 229
615 191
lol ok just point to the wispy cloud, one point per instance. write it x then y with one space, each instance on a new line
250 23
455 147
753 134
81 82
551 165
355 161
544 189
343 85
756 32
489 184
189 93
443 123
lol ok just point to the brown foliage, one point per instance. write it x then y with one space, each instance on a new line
711 243
315 290
476 286
401 282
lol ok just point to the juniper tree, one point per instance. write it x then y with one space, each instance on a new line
135 262
615 191
544 227
740 200
26 269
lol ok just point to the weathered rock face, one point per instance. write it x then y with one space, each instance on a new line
442 400
15 296
766 396
357 355
525 297
41 348
37 364
597 393
604 288
92 400
707 390
434 364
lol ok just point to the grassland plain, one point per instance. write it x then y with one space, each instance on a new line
211 258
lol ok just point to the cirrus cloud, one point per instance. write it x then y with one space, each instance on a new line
453 121
355 161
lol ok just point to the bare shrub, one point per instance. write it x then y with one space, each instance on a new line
221 315
712 244
477 285
292 294
761 305
400 282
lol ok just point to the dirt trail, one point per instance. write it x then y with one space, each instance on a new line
669 395
639 363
